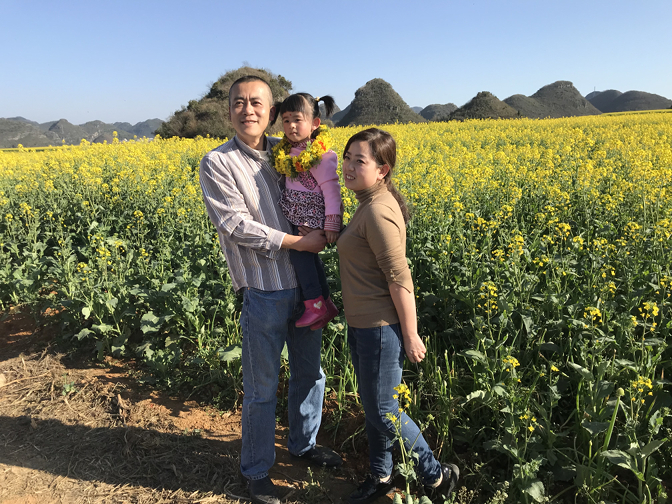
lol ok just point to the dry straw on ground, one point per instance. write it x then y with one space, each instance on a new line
67 438
77 431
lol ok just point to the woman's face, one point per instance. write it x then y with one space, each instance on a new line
360 170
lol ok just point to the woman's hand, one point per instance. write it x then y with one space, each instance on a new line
331 236
404 302
415 348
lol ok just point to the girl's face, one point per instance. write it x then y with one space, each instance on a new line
360 170
297 127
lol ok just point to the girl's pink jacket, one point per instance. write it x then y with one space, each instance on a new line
327 181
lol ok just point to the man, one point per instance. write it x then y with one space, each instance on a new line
241 190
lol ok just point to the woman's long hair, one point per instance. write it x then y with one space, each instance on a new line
384 151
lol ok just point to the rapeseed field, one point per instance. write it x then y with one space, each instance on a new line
541 255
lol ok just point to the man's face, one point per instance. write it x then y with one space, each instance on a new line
250 111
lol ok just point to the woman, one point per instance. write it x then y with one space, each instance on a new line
379 307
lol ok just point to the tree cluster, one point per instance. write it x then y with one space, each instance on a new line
210 114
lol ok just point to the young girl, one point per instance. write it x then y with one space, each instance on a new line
379 307
312 195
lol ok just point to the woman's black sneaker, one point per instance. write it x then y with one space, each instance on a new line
370 489
450 474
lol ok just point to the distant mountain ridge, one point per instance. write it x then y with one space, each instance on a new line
19 130
376 102
340 115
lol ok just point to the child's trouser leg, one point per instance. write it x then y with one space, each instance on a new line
307 273
305 265
322 276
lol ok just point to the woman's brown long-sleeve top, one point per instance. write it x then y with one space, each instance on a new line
372 255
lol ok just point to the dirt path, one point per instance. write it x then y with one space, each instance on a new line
74 432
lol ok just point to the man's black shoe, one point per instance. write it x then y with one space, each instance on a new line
261 490
321 456
450 474
370 489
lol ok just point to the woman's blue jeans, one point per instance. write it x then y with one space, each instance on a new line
267 321
378 357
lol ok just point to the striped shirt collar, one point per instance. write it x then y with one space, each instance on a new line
254 153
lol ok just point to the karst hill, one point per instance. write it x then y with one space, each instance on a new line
323 112
602 99
340 114
484 105
438 112
377 103
560 99
615 101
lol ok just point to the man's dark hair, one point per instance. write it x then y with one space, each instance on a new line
251 78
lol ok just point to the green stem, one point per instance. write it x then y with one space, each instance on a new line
607 439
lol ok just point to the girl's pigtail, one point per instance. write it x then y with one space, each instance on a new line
329 105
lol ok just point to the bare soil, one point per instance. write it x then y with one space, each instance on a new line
76 431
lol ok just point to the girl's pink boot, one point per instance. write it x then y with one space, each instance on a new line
332 311
315 310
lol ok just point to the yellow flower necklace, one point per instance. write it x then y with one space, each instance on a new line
311 156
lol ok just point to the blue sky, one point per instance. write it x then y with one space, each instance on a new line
131 61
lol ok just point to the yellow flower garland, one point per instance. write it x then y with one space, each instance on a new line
291 166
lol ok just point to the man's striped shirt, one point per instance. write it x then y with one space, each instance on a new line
241 191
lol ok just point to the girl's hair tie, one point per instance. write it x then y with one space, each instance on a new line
317 98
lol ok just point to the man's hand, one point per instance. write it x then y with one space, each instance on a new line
304 230
331 236
314 241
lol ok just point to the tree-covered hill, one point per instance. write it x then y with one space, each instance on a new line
602 99
484 105
378 103
210 114
615 101
438 112
560 99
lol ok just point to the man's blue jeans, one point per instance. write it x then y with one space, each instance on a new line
267 321
378 358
